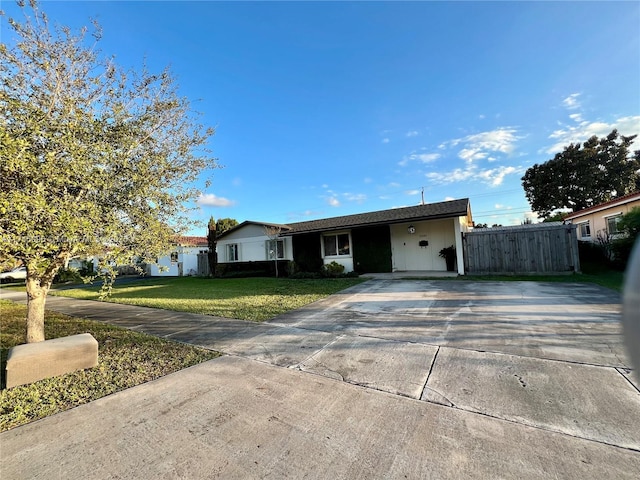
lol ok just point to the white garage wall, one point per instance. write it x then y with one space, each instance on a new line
408 255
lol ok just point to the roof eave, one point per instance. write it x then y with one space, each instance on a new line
377 223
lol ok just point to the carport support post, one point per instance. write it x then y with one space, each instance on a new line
459 246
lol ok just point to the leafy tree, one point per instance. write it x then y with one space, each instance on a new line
212 243
224 224
584 175
556 217
95 160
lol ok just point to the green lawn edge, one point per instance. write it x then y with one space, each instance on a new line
125 359
254 299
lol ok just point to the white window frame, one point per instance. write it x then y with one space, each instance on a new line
587 224
338 254
613 216
268 247
232 252
172 256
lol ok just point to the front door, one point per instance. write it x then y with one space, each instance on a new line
412 251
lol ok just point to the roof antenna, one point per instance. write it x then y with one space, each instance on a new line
422 196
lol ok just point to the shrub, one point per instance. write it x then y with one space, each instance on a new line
333 269
629 227
67 275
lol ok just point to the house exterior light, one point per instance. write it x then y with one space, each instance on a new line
411 229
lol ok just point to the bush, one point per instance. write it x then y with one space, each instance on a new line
591 252
629 227
65 275
87 269
333 269
261 268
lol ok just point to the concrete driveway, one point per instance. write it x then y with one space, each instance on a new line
388 379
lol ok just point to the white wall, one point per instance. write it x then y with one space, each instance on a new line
345 260
187 263
251 241
407 254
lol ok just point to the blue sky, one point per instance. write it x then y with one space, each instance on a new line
333 108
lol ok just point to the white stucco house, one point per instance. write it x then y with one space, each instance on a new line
182 260
400 239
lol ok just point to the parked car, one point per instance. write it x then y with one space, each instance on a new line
19 273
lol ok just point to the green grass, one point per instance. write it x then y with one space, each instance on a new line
255 299
597 273
125 359
612 279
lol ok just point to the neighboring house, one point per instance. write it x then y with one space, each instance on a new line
602 219
183 259
254 242
399 239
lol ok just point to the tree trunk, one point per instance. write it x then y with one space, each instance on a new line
36 298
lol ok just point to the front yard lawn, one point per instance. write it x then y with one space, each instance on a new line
125 359
255 299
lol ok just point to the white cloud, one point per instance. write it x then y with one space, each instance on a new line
368 180
584 130
394 184
421 157
385 140
485 145
448 199
576 117
493 177
471 154
355 197
211 200
412 133
572 102
333 201
457 175
411 192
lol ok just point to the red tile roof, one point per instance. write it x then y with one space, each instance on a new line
620 200
185 241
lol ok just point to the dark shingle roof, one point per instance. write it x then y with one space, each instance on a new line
429 211
280 226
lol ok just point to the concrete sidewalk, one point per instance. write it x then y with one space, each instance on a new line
388 379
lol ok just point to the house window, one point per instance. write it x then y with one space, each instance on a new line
612 224
270 247
336 245
232 252
584 229
174 257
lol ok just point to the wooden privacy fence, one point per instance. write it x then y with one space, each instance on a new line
526 249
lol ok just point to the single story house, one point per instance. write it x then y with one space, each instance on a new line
183 259
398 239
602 219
